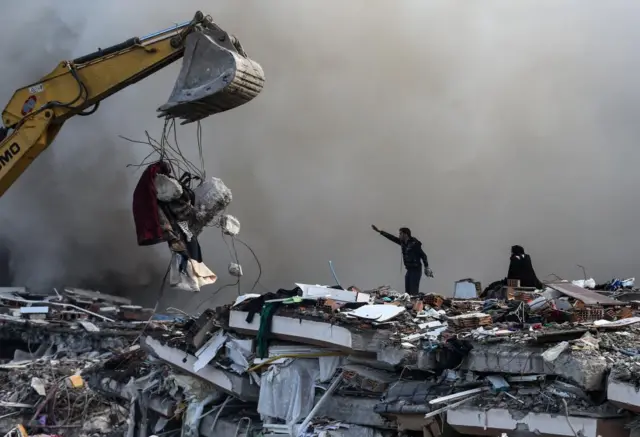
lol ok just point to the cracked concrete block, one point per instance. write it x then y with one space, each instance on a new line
505 358
395 356
371 362
427 360
367 378
164 406
623 394
356 410
586 370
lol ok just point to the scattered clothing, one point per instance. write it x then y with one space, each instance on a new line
254 306
145 206
266 317
264 332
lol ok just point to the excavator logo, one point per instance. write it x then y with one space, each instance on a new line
9 154
29 104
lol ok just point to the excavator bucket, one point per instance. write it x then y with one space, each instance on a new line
216 76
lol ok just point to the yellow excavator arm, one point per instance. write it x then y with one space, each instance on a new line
216 76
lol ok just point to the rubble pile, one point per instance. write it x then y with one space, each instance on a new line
324 361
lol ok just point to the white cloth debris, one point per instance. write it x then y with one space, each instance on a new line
328 367
195 276
167 188
201 272
287 392
585 283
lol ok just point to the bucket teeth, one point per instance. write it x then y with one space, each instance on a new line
216 76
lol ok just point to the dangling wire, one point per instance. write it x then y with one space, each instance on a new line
164 150
200 152
257 281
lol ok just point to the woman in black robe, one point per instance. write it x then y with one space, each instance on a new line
521 268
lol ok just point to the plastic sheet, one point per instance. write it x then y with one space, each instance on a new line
328 367
287 392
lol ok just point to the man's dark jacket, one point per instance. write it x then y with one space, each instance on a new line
412 253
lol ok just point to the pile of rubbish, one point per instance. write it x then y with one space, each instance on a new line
325 361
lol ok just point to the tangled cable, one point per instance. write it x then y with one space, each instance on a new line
170 151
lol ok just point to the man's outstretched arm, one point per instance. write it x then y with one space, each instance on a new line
387 235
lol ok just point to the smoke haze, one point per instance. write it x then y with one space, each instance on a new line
479 125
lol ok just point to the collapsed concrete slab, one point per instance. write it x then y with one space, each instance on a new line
427 360
231 383
313 332
367 378
395 356
164 406
493 422
586 370
623 394
356 410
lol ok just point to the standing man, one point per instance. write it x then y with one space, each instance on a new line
413 257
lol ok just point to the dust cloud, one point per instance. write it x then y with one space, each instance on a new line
478 125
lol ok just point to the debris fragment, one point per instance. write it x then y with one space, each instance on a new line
38 385
235 270
554 352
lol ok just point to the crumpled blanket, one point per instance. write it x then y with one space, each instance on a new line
145 206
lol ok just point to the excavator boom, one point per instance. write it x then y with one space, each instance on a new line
216 76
